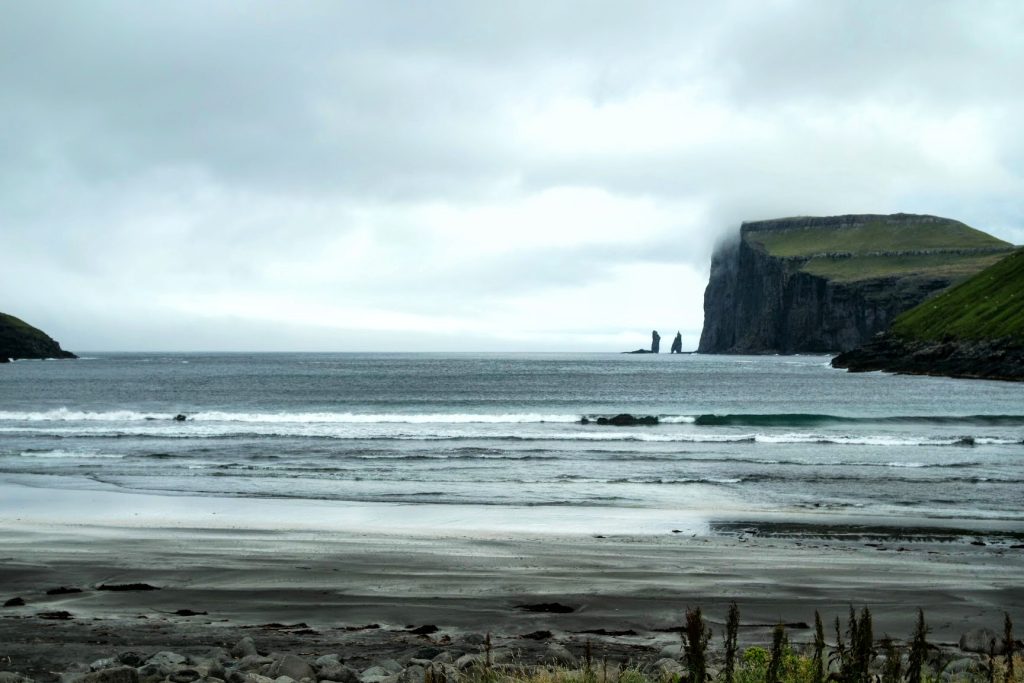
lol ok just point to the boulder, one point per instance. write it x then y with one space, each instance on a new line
15 602
333 670
131 659
184 676
120 674
390 665
244 648
252 663
168 661
413 674
466 662
981 640
669 667
293 667
12 677
376 674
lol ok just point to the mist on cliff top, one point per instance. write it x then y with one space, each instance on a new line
464 175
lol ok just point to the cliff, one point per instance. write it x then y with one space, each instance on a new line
18 339
826 284
975 329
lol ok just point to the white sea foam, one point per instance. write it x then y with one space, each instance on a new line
65 455
66 415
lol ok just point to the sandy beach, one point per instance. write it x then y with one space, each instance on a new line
306 570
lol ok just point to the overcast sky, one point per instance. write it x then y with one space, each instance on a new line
468 175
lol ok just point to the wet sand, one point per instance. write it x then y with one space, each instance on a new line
324 579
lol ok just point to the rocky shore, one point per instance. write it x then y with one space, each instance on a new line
996 359
280 653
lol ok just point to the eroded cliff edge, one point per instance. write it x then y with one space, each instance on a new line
973 330
20 340
829 284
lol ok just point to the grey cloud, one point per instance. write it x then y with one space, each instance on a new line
155 150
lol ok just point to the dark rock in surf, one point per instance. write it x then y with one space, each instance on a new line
180 418
126 587
56 616
537 635
425 630
63 591
547 608
15 602
627 420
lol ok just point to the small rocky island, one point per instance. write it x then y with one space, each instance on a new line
829 284
19 340
973 330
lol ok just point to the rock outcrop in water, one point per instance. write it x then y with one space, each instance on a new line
677 343
20 340
655 341
828 284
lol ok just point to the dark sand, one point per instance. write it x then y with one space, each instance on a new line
320 585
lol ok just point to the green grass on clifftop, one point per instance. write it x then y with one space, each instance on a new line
989 305
14 330
875 236
855 248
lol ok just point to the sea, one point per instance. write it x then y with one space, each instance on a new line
738 438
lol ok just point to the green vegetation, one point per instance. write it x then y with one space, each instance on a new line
857 268
18 325
732 627
875 236
854 659
989 305
696 635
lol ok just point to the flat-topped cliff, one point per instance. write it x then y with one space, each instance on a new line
18 340
827 284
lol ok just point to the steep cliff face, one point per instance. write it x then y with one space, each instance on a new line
18 339
819 285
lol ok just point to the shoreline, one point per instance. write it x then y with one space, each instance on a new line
329 579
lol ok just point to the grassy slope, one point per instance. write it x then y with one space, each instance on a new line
989 305
15 332
19 326
871 267
865 241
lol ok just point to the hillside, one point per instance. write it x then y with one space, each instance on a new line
18 340
975 329
989 305
825 284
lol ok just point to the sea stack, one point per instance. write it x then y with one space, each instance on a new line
677 343
829 284
655 341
